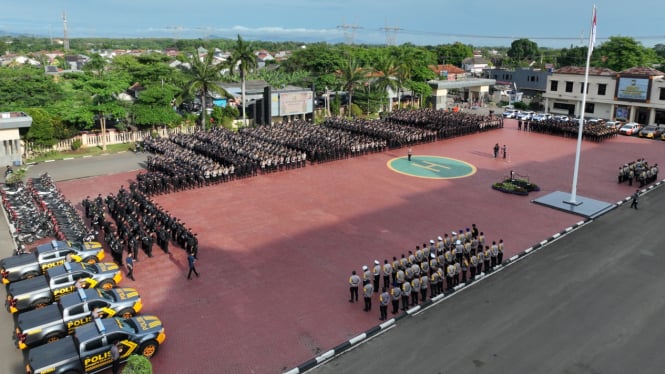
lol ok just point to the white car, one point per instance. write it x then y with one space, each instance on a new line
561 118
541 117
510 113
630 128
525 116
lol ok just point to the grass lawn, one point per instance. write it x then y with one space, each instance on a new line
87 151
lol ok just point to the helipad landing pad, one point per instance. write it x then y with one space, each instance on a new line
433 167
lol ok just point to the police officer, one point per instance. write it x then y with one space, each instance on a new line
376 272
434 280
384 300
387 273
465 268
368 289
415 290
367 276
424 280
494 253
500 246
395 295
450 273
486 261
481 260
354 282
406 293
473 266
147 243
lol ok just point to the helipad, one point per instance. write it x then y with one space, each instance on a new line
433 167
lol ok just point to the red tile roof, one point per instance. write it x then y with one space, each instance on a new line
580 70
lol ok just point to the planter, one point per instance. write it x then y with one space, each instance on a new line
515 186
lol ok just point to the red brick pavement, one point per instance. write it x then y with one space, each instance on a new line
276 250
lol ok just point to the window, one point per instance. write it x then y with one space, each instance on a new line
554 85
601 89
589 107
662 93
93 344
569 86
582 87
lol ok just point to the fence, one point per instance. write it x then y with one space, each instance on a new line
95 140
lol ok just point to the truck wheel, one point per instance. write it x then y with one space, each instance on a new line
41 303
90 260
30 274
50 338
126 313
106 284
149 348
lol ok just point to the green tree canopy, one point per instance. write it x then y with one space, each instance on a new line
26 86
522 49
621 52
453 54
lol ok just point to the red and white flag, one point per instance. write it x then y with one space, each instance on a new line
592 39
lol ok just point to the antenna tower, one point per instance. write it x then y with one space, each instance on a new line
349 32
64 28
391 34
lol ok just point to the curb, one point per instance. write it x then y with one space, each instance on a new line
341 348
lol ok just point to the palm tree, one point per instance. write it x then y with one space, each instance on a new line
244 60
387 75
203 75
350 76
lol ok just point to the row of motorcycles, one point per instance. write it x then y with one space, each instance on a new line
39 210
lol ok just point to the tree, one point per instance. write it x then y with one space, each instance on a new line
24 87
104 103
243 58
575 56
453 54
202 78
350 76
41 131
522 49
621 53
387 71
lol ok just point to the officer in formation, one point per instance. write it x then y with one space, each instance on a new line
384 300
354 282
368 289
638 171
445 124
436 266
596 132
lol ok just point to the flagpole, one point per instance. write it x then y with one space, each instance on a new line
592 40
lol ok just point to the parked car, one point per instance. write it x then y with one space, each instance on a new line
651 132
541 117
510 113
525 116
594 121
561 118
630 128
613 124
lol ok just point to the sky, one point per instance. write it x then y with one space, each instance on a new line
556 24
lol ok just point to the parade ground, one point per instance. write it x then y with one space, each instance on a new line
276 250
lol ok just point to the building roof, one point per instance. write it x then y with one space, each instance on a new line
451 69
642 71
579 70
475 60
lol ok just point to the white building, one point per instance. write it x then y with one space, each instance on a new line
635 95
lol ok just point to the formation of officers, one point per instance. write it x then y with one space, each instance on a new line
138 224
596 132
638 171
437 267
184 161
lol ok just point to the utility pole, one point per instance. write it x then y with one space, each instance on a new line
349 32
391 34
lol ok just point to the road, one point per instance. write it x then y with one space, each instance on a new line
591 302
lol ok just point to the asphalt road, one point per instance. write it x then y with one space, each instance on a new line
591 302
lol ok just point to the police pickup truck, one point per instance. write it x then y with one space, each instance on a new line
46 325
58 281
46 256
89 349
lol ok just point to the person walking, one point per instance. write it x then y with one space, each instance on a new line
504 151
191 260
354 282
115 356
636 196
129 262
496 150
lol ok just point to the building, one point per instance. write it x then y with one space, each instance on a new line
529 81
472 91
10 148
635 95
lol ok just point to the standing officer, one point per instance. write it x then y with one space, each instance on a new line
384 300
376 272
434 284
424 280
406 293
450 273
499 258
486 260
387 272
367 276
354 282
415 290
481 261
368 289
473 266
395 295
494 253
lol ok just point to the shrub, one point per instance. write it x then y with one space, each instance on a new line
76 144
515 186
137 364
